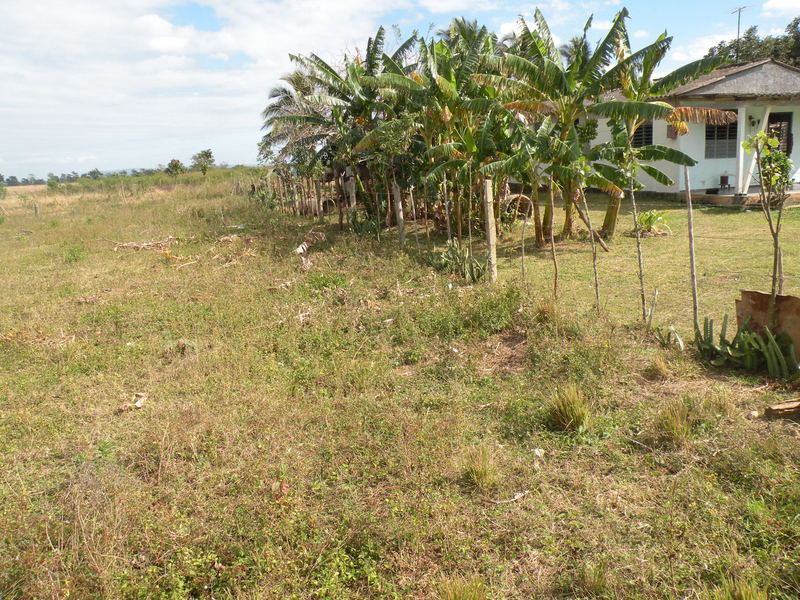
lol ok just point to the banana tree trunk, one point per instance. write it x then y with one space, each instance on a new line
568 231
547 222
612 213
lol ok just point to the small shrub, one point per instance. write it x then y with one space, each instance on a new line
478 468
673 425
74 253
569 410
738 590
2 219
462 589
653 222
326 281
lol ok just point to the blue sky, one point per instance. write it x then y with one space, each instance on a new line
134 83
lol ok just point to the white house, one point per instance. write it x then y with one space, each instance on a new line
763 93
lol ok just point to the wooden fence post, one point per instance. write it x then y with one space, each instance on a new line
692 268
491 233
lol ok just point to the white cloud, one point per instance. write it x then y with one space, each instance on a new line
640 33
507 28
446 6
781 8
698 47
119 84
601 25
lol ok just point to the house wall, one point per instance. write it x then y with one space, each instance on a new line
706 174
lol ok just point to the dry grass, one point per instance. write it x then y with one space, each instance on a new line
658 369
280 453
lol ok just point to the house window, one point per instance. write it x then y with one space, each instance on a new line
643 136
721 141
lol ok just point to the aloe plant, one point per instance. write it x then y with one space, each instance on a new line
749 350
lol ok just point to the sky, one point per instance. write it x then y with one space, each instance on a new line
134 83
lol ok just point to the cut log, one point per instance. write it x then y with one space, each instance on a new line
790 408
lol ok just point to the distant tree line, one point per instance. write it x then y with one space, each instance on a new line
751 46
201 161
13 180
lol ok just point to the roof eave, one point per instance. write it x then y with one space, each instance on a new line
734 98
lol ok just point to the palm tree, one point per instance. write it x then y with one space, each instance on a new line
575 46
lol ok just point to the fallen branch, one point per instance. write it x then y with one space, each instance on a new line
154 245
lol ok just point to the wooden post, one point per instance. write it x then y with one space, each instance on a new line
553 241
588 221
414 215
491 234
398 213
692 268
639 257
447 209
318 195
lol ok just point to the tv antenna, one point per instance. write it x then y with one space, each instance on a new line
738 27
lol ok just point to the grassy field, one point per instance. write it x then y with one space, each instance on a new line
368 427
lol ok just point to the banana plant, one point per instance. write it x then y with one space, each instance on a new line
627 161
636 83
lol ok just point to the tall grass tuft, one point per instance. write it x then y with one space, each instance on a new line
569 410
462 588
737 589
479 469
673 425
592 579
